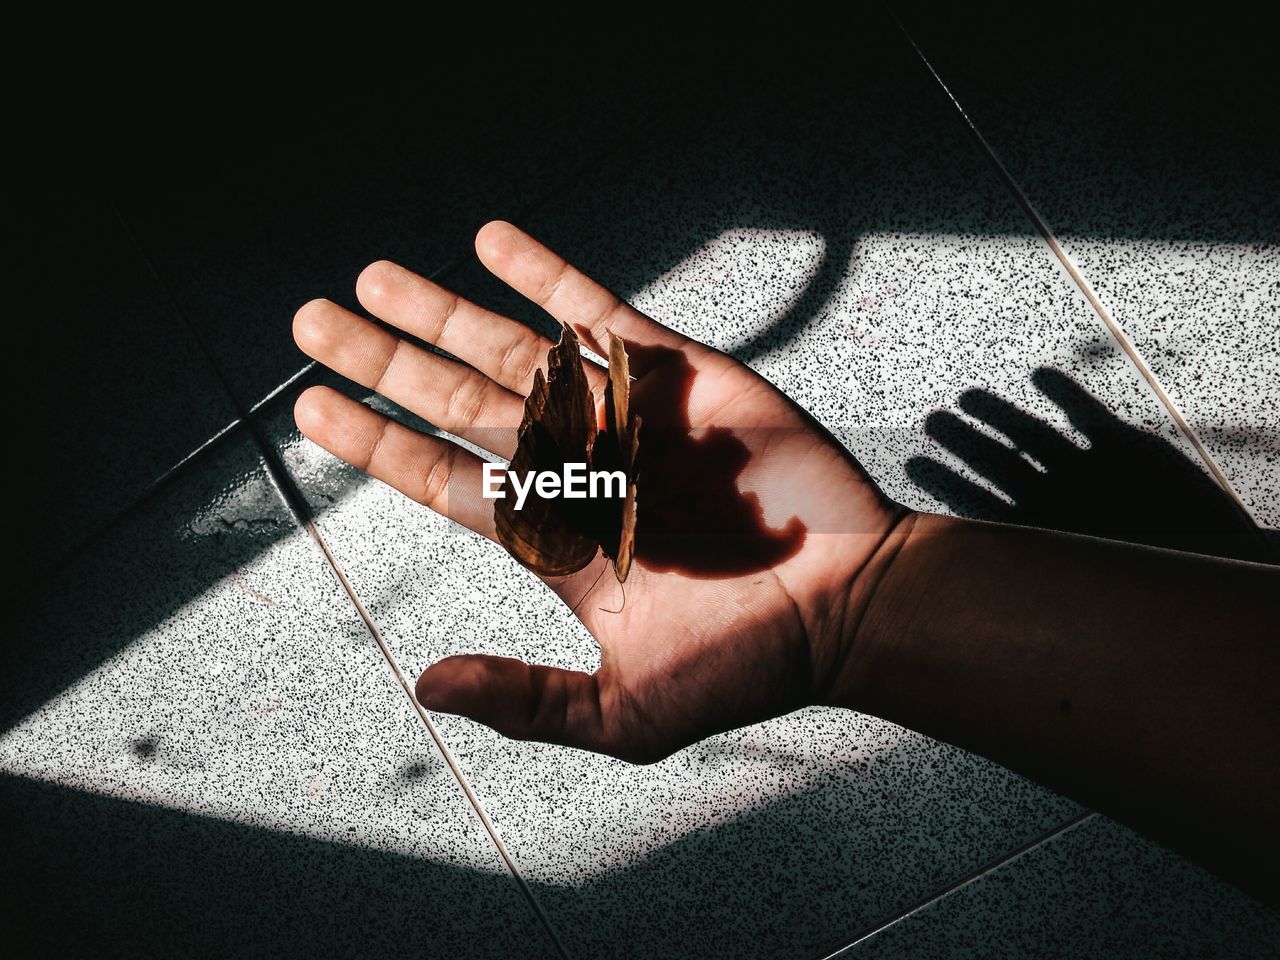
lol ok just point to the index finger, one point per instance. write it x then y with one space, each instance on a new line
503 349
543 276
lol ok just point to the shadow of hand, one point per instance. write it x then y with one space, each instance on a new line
1126 485
696 519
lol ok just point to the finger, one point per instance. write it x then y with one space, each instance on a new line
1045 444
988 458
962 496
522 701
1086 413
431 470
502 349
442 391
566 293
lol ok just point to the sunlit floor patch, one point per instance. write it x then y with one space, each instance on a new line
261 700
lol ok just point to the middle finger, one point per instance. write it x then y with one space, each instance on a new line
448 394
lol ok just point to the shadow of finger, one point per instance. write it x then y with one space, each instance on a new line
987 457
961 495
1085 411
1028 433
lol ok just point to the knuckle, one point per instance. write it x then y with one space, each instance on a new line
551 285
446 316
466 402
385 373
518 363
375 446
436 480
600 325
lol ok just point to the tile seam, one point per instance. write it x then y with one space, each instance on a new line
975 875
282 482
452 263
407 688
1113 326
293 378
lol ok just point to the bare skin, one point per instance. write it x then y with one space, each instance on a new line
1131 678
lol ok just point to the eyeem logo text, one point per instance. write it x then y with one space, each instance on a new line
574 482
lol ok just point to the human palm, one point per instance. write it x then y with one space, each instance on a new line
755 529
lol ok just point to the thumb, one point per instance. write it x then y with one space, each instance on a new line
519 700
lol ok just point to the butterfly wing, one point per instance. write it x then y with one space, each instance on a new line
548 536
623 430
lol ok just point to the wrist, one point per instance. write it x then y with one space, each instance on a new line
870 614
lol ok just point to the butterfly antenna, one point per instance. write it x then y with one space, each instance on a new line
623 587
586 593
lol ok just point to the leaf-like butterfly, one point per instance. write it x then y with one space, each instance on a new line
559 536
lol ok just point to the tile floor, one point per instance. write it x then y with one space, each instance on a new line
203 742
219 754
1156 174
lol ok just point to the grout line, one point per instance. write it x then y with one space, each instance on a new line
449 759
283 482
282 387
190 457
1112 325
563 185
978 874
453 263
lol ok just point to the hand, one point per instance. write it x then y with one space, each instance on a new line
758 537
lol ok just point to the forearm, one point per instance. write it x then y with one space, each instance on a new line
1140 682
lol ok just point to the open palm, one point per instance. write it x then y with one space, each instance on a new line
757 536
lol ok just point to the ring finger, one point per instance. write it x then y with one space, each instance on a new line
448 394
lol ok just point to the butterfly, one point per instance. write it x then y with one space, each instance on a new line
558 536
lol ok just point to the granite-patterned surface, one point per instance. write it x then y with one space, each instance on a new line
1095 890
201 745
1149 148
210 756
810 827
775 840
113 391
895 291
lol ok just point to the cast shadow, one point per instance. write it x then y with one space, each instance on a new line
1128 484
695 520
798 875
1168 135
88 875
93 876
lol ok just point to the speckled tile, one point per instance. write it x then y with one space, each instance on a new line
875 286
775 840
895 290
114 392
807 828
404 165
224 765
1149 148
1096 890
